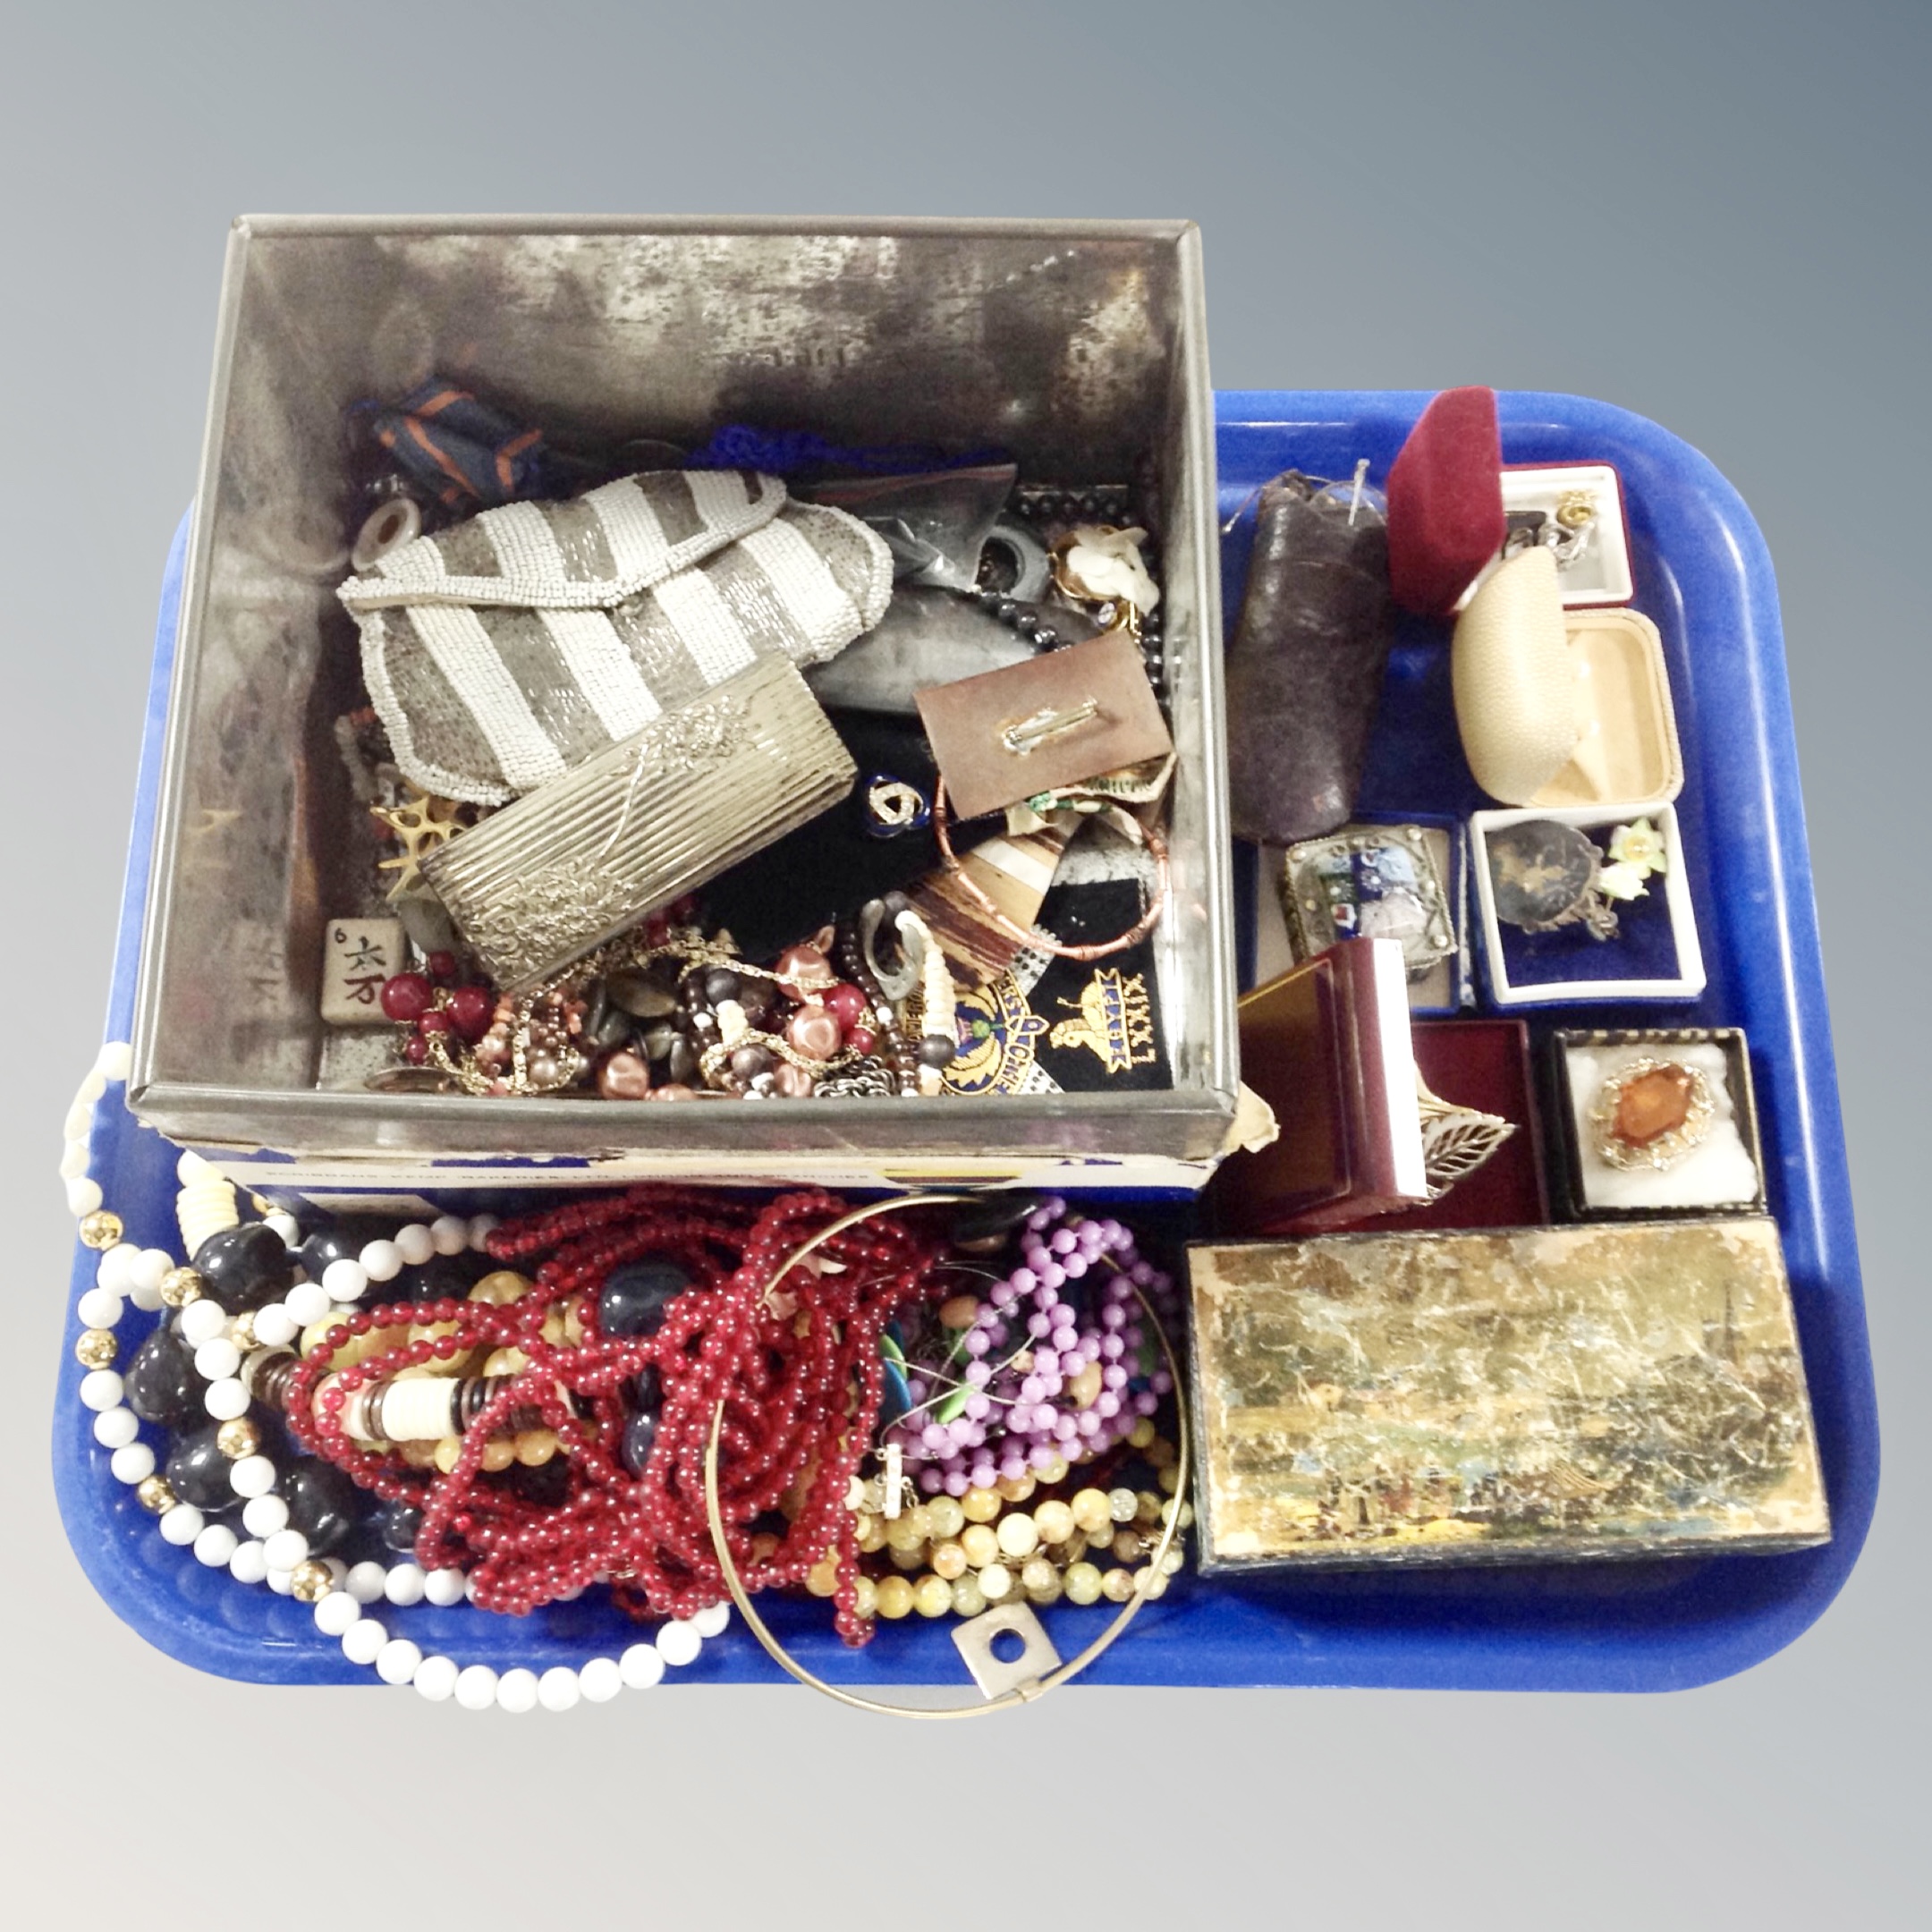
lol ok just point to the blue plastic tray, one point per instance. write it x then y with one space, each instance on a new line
1703 575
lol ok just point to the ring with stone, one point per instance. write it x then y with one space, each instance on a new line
893 806
1650 1114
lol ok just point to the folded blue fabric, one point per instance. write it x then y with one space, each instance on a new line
465 454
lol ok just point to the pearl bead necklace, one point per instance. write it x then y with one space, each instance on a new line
273 1551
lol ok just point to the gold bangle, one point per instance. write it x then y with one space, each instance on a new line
1034 939
1026 1693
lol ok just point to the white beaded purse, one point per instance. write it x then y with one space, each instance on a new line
506 650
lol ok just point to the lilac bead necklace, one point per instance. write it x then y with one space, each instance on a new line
1054 1368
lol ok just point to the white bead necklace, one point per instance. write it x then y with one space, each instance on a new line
272 1551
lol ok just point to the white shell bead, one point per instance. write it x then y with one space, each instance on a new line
115 1061
449 1235
101 1388
253 1477
363 1641
600 1679
444 1587
420 1408
641 1666
99 1308
678 1643
285 1548
116 1269
516 1690
248 1564
365 1582
334 1613
150 1268
558 1690
435 1679
201 1321
183 1524
475 1687
216 1360
306 1302
134 1464
83 1196
403 1585
265 1514
415 1245
397 1661
382 1261
275 1325
343 1280
115 1428
226 1400
215 1545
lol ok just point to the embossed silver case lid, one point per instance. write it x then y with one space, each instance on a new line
589 854
1080 345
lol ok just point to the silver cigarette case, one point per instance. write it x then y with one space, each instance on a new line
582 857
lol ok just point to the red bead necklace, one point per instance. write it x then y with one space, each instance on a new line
795 1361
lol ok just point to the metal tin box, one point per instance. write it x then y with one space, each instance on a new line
1081 346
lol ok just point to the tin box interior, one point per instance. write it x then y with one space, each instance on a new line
1080 347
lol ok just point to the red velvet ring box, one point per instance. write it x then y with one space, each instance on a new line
1451 499
1445 519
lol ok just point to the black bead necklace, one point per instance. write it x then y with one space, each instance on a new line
1042 506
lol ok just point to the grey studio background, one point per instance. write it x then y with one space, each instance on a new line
1710 214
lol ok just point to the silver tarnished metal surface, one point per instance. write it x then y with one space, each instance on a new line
1081 347
540 882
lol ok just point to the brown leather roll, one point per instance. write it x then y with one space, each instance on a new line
1304 673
